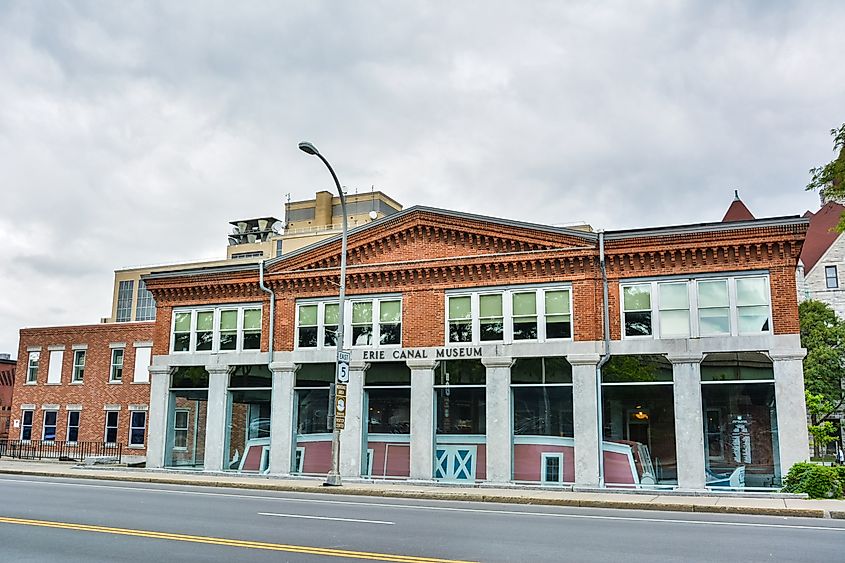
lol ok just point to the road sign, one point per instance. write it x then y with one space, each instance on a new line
344 356
342 373
339 406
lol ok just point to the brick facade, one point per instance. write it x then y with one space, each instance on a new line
95 392
7 384
422 254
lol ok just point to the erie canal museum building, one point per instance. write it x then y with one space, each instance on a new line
482 350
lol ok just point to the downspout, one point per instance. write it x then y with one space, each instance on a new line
272 307
604 358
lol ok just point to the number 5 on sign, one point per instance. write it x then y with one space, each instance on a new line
342 372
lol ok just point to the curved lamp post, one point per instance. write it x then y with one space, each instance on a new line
333 478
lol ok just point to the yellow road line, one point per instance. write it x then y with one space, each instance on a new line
327 552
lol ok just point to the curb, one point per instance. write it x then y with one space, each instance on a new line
452 496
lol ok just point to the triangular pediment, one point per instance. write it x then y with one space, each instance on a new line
429 235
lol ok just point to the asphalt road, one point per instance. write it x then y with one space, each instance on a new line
64 520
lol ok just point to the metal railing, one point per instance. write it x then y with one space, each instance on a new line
54 449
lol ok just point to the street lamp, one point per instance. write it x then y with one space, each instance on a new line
333 478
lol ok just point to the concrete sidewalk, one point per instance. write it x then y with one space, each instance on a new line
639 500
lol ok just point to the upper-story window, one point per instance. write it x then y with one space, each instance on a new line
831 277
125 290
368 322
696 307
145 308
217 329
510 315
78 366
32 367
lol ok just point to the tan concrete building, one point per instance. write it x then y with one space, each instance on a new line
252 240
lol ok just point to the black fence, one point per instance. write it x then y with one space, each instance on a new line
53 449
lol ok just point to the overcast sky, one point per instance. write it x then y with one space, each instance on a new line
132 132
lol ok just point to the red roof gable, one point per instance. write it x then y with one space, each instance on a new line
821 233
737 211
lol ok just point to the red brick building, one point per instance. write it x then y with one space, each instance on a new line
482 349
84 384
7 384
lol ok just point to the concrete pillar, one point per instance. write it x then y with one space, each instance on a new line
689 420
498 412
351 437
215 422
422 418
282 438
793 438
159 408
584 412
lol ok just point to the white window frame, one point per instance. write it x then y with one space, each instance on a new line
55 367
692 288
32 366
544 457
44 425
347 321
186 429
143 359
132 414
116 427
69 426
77 375
215 342
507 312
299 459
113 366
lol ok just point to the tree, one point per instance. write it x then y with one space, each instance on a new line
830 178
823 335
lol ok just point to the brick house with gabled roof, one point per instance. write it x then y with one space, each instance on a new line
478 353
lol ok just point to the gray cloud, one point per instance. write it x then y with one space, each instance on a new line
132 132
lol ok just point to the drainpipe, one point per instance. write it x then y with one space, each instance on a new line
605 356
272 306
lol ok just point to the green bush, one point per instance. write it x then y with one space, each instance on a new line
817 481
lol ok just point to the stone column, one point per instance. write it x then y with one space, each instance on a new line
689 420
282 437
159 408
351 437
584 412
793 438
498 412
215 420
422 418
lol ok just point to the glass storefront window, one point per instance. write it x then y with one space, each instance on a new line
638 421
542 411
388 388
248 427
312 398
740 421
460 388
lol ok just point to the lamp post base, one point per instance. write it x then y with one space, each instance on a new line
333 480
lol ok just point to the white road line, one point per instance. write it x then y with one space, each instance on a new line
437 508
327 518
